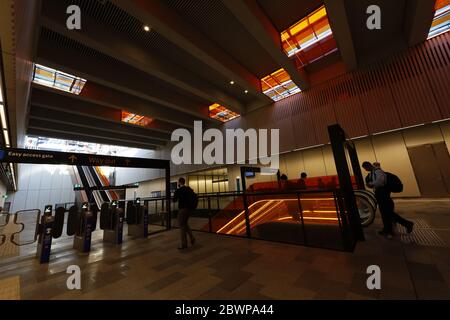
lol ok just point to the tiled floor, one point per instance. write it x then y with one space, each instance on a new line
412 266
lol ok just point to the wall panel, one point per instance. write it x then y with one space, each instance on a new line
391 152
422 135
410 88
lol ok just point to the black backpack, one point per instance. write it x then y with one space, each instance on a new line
393 183
192 202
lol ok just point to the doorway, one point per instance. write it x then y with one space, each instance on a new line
431 165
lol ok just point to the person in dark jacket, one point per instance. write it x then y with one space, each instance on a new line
302 181
378 181
183 195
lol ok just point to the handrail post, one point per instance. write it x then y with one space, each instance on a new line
346 234
301 218
247 216
209 214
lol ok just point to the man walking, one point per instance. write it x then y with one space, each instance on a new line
377 180
184 195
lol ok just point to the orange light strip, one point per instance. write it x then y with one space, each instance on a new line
310 218
221 113
310 38
269 202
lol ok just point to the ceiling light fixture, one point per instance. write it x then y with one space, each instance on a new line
246 91
231 82
146 28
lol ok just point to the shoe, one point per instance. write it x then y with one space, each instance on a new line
410 227
193 241
381 232
181 248
389 235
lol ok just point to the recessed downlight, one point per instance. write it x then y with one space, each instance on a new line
231 82
146 28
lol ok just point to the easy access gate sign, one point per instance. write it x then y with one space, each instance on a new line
11 155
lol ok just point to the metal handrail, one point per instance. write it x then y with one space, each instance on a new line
36 232
6 220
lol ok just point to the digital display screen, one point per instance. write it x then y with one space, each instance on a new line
250 174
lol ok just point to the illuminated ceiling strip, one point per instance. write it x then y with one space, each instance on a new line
3 116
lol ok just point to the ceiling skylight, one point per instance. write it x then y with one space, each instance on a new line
278 85
310 38
57 80
136 119
221 113
441 21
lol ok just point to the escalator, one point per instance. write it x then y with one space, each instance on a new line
98 183
84 181
89 178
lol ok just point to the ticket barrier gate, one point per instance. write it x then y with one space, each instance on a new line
137 219
86 223
111 222
48 227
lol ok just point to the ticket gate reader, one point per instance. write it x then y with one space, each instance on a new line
83 232
111 221
45 236
137 219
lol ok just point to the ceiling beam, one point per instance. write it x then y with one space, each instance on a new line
174 28
418 20
159 102
88 132
58 116
255 21
120 47
105 96
44 132
338 18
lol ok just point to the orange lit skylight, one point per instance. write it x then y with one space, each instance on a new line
136 119
219 112
278 85
441 21
309 39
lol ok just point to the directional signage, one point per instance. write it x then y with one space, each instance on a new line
10 155
48 210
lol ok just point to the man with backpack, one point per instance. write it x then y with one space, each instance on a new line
383 184
187 202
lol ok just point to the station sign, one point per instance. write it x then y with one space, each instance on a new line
11 155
